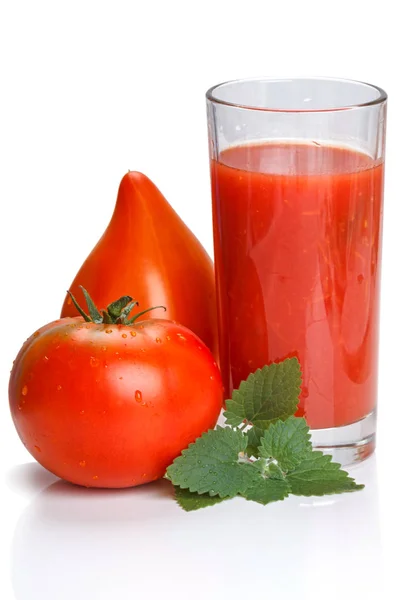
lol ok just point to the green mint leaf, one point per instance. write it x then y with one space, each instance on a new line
288 442
269 394
268 490
317 475
275 472
254 436
212 464
235 412
193 501
261 465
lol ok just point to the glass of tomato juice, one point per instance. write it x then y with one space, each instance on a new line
297 170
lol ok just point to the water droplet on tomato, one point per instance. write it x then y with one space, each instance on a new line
95 476
158 340
133 333
81 412
144 474
45 358
138 396
108 330
19 406
103 348
59 387
25 390
168 337
82 463
94 362
212 377
124 335
37 448
181 337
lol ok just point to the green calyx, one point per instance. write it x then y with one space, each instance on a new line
116 313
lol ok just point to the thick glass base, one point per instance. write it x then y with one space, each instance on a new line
348 444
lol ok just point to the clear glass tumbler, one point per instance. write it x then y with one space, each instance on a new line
297 171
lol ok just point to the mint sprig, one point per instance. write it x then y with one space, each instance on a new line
266 462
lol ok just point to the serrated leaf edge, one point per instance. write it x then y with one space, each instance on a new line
338 467
263 424
307 436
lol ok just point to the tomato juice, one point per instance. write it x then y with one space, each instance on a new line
297 230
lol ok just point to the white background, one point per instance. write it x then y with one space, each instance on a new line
89 90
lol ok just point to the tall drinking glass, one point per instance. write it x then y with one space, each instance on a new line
297 186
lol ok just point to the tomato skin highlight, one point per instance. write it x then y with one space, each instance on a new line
112 405
147 251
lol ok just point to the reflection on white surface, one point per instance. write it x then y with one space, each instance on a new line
29 479
72 543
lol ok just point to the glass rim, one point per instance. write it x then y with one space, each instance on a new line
382 97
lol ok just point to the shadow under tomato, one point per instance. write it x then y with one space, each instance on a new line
29 479
102 504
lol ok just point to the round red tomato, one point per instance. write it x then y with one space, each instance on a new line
112 405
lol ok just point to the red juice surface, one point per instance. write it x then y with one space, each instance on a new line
297 230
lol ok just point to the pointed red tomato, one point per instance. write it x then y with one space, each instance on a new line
148 250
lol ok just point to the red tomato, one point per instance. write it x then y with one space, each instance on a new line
148 249
107 405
